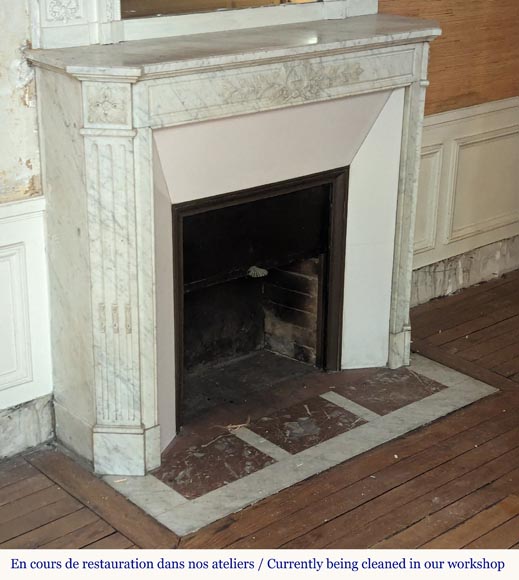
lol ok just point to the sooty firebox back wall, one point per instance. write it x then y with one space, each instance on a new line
224 307
224 243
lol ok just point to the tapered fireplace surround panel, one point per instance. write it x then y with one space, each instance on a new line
126 130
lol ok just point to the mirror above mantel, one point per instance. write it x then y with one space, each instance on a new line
69 23
158 8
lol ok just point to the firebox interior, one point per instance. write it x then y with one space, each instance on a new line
256 271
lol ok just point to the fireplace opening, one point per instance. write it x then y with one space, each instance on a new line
259 284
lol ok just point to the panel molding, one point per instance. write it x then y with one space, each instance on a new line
25 360
14 285
492 222
455 132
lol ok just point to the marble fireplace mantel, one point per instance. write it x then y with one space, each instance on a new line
98 108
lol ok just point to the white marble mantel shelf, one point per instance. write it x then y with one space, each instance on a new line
147 59
99 107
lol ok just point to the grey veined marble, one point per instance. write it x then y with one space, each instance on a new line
99 107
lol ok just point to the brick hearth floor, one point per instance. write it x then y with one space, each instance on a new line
237 454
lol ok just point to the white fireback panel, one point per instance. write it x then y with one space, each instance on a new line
211 158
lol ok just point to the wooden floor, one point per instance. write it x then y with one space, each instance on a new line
475 331
452 484
49 501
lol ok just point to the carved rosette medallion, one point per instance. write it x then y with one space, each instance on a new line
64 11
107 104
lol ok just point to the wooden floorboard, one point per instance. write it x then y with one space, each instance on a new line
49 501
23 488
490 345
488 303
477 340
37 518
472 369
83 536
115 541
451 484
102 500
438 522
407 512
14 471
468 297
503 536
44 534
477 526
28 504
343 530
482 340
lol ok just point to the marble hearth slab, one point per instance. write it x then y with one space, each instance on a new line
433 401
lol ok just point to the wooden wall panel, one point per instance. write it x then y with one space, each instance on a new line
477 58
468 195
25 355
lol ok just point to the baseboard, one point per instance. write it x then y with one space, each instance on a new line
73 433
453 274
26 425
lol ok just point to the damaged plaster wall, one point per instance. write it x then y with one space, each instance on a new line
19 157
479 265
26 425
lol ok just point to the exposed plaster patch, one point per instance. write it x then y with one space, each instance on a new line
20 188
22 78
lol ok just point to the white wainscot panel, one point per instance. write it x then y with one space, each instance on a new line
25 359
468 194
485 192
15 345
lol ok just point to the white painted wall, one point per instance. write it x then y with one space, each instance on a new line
25 368
19 160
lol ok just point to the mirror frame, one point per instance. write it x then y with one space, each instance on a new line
66 23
